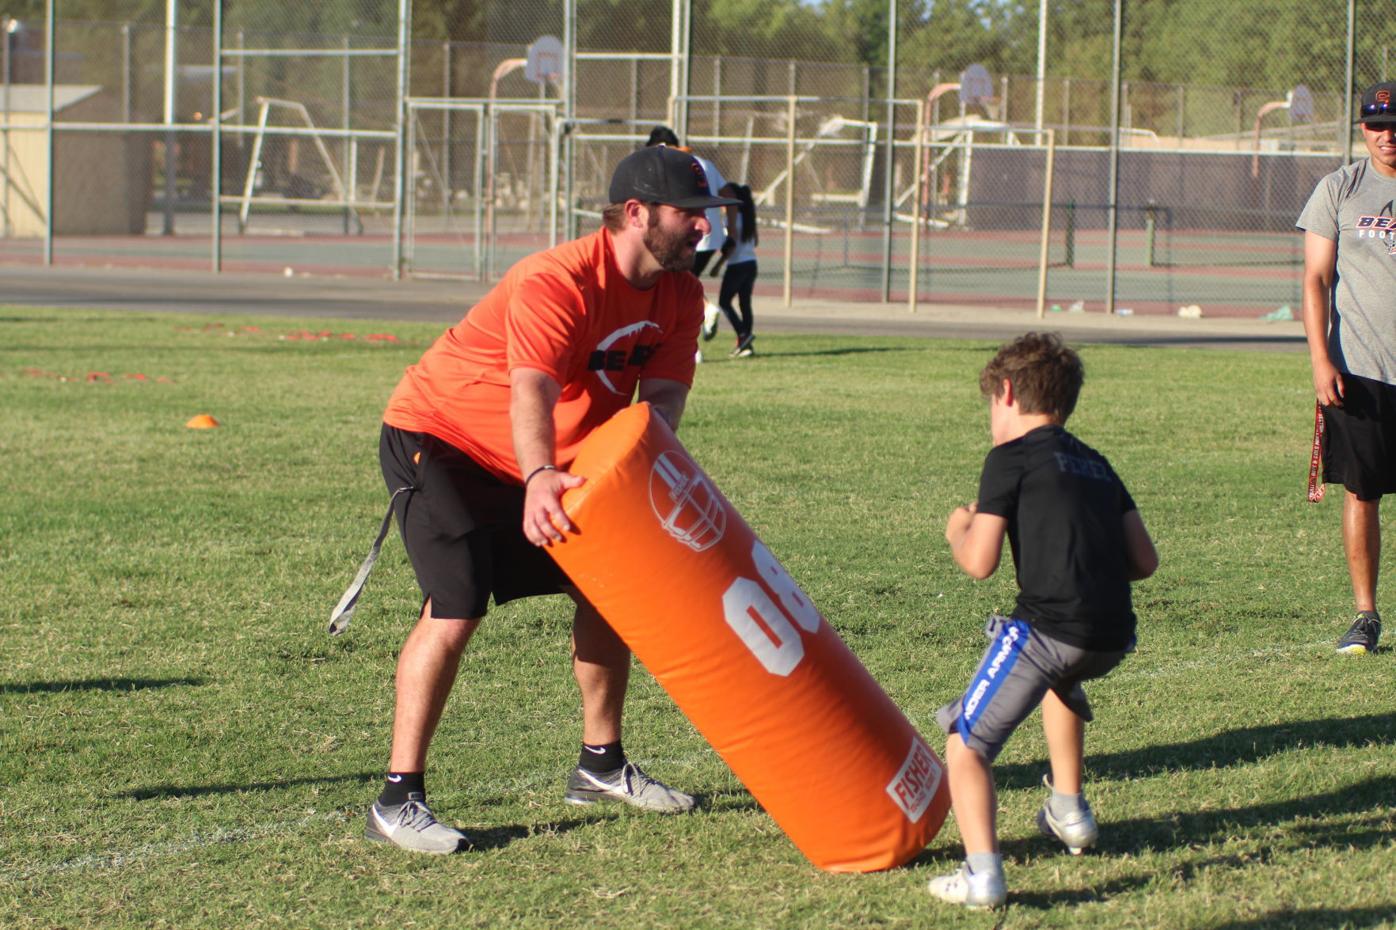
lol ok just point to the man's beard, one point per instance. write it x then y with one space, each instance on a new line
671 250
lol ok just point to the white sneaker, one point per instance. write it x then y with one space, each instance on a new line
972 889
711 315
1077 830
413 826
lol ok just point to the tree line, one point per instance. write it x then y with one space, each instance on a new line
1258 43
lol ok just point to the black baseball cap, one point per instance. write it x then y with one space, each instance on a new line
660 174
1379 105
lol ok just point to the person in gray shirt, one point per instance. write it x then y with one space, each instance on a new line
1349 229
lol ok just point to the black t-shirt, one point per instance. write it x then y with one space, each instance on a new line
1065 506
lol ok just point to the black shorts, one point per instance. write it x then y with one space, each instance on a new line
463 528
1359 443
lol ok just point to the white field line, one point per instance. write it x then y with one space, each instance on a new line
1132 668
532 782
119 859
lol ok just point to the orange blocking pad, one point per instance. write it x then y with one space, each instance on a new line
744 653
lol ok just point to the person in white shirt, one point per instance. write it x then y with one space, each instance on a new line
739 278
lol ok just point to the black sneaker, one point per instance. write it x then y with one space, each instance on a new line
1361 638
744 348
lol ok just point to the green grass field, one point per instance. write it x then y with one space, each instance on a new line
182 746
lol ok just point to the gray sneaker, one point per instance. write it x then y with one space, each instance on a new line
1077 829
628 784
972 889
1361 638
413 826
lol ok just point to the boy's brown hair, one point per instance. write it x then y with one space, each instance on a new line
1045 373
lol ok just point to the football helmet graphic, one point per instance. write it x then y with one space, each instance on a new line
684 500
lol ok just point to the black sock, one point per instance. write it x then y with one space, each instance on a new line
606 757
398 785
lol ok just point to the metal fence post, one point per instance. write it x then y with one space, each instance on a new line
171 56
1114 192
446 126
477 186
887 189
789 199
241 90
7 28
1066 111
50 55
569 112
1042 256
685 72
717 94
216 152
914 265
400 173
1070 258
345 104
1350 61
126 72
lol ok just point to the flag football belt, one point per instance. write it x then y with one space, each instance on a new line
344 610
1316 487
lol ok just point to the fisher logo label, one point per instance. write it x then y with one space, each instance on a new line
685 502
916 782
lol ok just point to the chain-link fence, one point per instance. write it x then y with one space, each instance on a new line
367 136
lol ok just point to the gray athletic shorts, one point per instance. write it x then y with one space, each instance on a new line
1018 669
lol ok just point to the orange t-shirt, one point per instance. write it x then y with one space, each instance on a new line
569 313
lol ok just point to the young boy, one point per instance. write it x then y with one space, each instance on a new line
1077 543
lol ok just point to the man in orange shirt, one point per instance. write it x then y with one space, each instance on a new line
475 446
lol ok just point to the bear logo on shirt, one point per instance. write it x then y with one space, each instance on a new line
618 351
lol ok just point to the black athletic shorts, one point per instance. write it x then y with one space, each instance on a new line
1359 443
463 528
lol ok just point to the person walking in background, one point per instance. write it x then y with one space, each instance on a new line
719 219
1349 228
740 275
